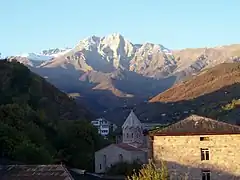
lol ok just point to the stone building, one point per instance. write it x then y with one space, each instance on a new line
132 147
198 147
115 153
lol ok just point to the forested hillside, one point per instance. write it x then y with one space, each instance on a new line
214 93
39 124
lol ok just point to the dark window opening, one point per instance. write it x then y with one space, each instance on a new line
204 138
204 154
206 175
100 166
104 160
120 157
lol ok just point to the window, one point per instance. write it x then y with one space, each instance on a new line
104 131
120 157
100 166
132 135
104 160
127 135
138 159
204 138
206 174
104 126
204 154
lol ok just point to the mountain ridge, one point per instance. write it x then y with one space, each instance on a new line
108 53
116 71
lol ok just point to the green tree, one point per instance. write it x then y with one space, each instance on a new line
124 168
29 153
34 121
77 142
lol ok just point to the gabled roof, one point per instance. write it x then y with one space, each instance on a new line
123 146
197 125
127 147
29 172
132 121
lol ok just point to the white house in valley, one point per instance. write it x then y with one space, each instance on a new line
104 127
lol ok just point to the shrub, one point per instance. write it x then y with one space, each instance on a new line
235 103
150 172
124 168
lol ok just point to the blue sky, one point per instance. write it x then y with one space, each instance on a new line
33 25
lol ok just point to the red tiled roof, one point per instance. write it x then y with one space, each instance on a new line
127 147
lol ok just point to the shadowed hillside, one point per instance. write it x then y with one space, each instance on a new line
19 85
103 91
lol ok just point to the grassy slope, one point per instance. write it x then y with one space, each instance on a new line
206 82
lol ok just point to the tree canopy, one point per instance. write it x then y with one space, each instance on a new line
41 125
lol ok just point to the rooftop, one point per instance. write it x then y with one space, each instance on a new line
127 147
198 125
132 121
39 172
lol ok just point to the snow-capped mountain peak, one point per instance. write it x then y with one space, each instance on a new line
116 49
114 52
36 57
154 47
54 51
89 43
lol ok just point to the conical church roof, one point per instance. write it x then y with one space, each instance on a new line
132 121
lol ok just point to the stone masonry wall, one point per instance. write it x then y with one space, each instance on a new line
182 154
112 156
131 134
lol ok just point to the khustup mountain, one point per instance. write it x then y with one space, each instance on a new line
110 71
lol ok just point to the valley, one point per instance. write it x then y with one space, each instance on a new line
111 74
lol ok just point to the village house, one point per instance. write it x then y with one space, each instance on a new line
199 148
104 127
133 146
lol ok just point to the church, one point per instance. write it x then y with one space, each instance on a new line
132 147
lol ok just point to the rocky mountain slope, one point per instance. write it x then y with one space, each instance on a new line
111 71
